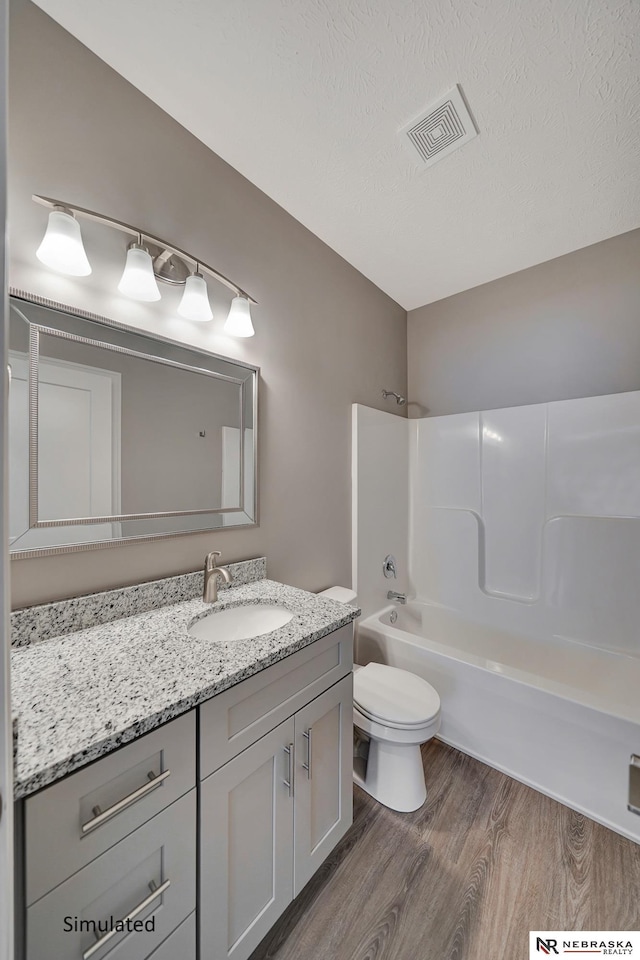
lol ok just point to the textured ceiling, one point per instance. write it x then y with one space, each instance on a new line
306 98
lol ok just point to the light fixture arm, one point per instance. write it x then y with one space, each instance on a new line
167 248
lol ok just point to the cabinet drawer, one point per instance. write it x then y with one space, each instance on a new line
115 886
181 945
233 720
72 822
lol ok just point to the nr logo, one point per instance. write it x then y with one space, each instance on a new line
546 946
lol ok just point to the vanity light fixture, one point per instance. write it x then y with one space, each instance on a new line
195 299
62 248
238 323
148 259
138 280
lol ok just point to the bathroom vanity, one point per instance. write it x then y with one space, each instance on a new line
176 792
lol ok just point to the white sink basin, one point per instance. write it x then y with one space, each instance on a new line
241 623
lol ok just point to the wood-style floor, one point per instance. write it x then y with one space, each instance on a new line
467 877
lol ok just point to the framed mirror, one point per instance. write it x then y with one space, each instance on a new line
118 436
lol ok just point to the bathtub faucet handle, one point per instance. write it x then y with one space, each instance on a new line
400 597
389 567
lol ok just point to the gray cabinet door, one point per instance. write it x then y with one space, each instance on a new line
246 846
323 778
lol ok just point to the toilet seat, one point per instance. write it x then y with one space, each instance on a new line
392 724
379 730
394 697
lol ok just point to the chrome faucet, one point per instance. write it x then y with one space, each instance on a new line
211 574
400 597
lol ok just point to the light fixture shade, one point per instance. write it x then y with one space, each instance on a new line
62 248
238 323
138 280
195 300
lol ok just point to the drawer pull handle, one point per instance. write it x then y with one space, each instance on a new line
289 781
307 766
100 816
89 952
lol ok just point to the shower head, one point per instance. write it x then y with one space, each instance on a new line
390 393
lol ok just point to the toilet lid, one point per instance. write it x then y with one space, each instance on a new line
395 696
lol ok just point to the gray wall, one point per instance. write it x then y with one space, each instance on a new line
567 328
326 337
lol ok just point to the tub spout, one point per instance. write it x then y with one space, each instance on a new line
400 597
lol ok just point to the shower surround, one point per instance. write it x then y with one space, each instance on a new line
528 518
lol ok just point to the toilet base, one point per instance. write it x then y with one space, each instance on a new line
394 775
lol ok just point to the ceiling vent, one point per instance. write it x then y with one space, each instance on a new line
441 129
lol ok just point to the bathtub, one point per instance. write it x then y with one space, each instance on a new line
562 717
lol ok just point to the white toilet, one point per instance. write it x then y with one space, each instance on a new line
396 711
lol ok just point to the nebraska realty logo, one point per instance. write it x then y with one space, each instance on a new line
580 943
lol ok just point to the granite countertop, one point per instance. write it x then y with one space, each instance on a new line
79 696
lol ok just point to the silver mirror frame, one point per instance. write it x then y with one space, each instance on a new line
35 331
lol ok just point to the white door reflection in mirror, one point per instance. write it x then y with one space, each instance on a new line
78 446
78 441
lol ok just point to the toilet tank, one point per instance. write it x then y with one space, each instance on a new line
341 594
